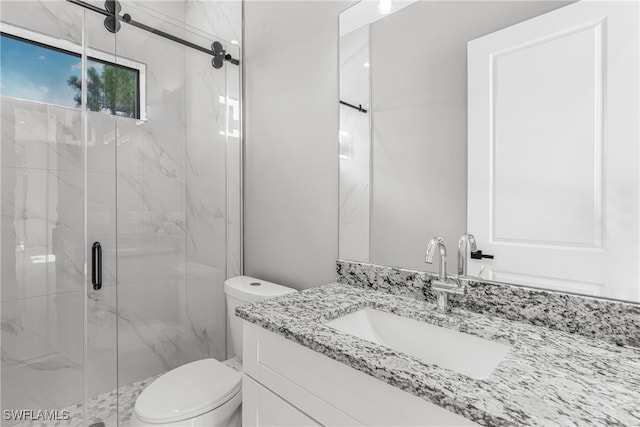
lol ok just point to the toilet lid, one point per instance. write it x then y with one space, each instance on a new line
188 391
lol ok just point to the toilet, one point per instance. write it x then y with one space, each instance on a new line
205 393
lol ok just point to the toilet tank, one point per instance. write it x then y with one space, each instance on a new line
241 290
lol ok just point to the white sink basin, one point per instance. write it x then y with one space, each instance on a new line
466 354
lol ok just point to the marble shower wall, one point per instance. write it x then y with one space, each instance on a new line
213 170
164 191
223 18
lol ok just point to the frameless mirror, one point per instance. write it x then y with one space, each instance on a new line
515 121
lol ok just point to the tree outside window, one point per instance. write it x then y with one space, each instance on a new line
110 88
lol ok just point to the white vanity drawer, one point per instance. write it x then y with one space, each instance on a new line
262 407
331 392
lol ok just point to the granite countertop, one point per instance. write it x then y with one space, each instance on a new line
549 378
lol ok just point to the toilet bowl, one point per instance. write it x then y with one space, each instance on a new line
207 392
201 393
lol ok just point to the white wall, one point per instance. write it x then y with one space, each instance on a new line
291 133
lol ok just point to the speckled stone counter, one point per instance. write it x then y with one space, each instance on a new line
549 378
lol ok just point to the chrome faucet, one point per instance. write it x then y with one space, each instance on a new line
442 286
431 248
465 240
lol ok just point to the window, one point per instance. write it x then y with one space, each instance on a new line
111 89
43 69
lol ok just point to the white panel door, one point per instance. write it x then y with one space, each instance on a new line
553 150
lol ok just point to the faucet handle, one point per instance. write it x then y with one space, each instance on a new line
466 240
428 256
431 249
470 239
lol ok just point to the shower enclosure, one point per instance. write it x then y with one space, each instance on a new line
120 201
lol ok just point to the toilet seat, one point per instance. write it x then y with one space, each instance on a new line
187 392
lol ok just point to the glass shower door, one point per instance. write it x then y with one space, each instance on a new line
172 199
59 344
44 214
101 139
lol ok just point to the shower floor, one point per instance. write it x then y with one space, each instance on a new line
103 408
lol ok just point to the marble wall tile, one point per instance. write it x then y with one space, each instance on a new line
159 11
163 203
212 179
221 18
614 321
40 136
67 234
130 210
25 226
207 112
163 149
206 148
64 132
102 350
141 258
42 351
206 220
131 136
205 306
24 134
56 18
153 338
102 136
42 246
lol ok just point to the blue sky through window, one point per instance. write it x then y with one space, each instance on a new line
33 72
36 72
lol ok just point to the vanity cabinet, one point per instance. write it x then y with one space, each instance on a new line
262 408
285 383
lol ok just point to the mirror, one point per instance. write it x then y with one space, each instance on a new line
515 121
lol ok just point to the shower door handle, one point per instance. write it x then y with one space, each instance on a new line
96 266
